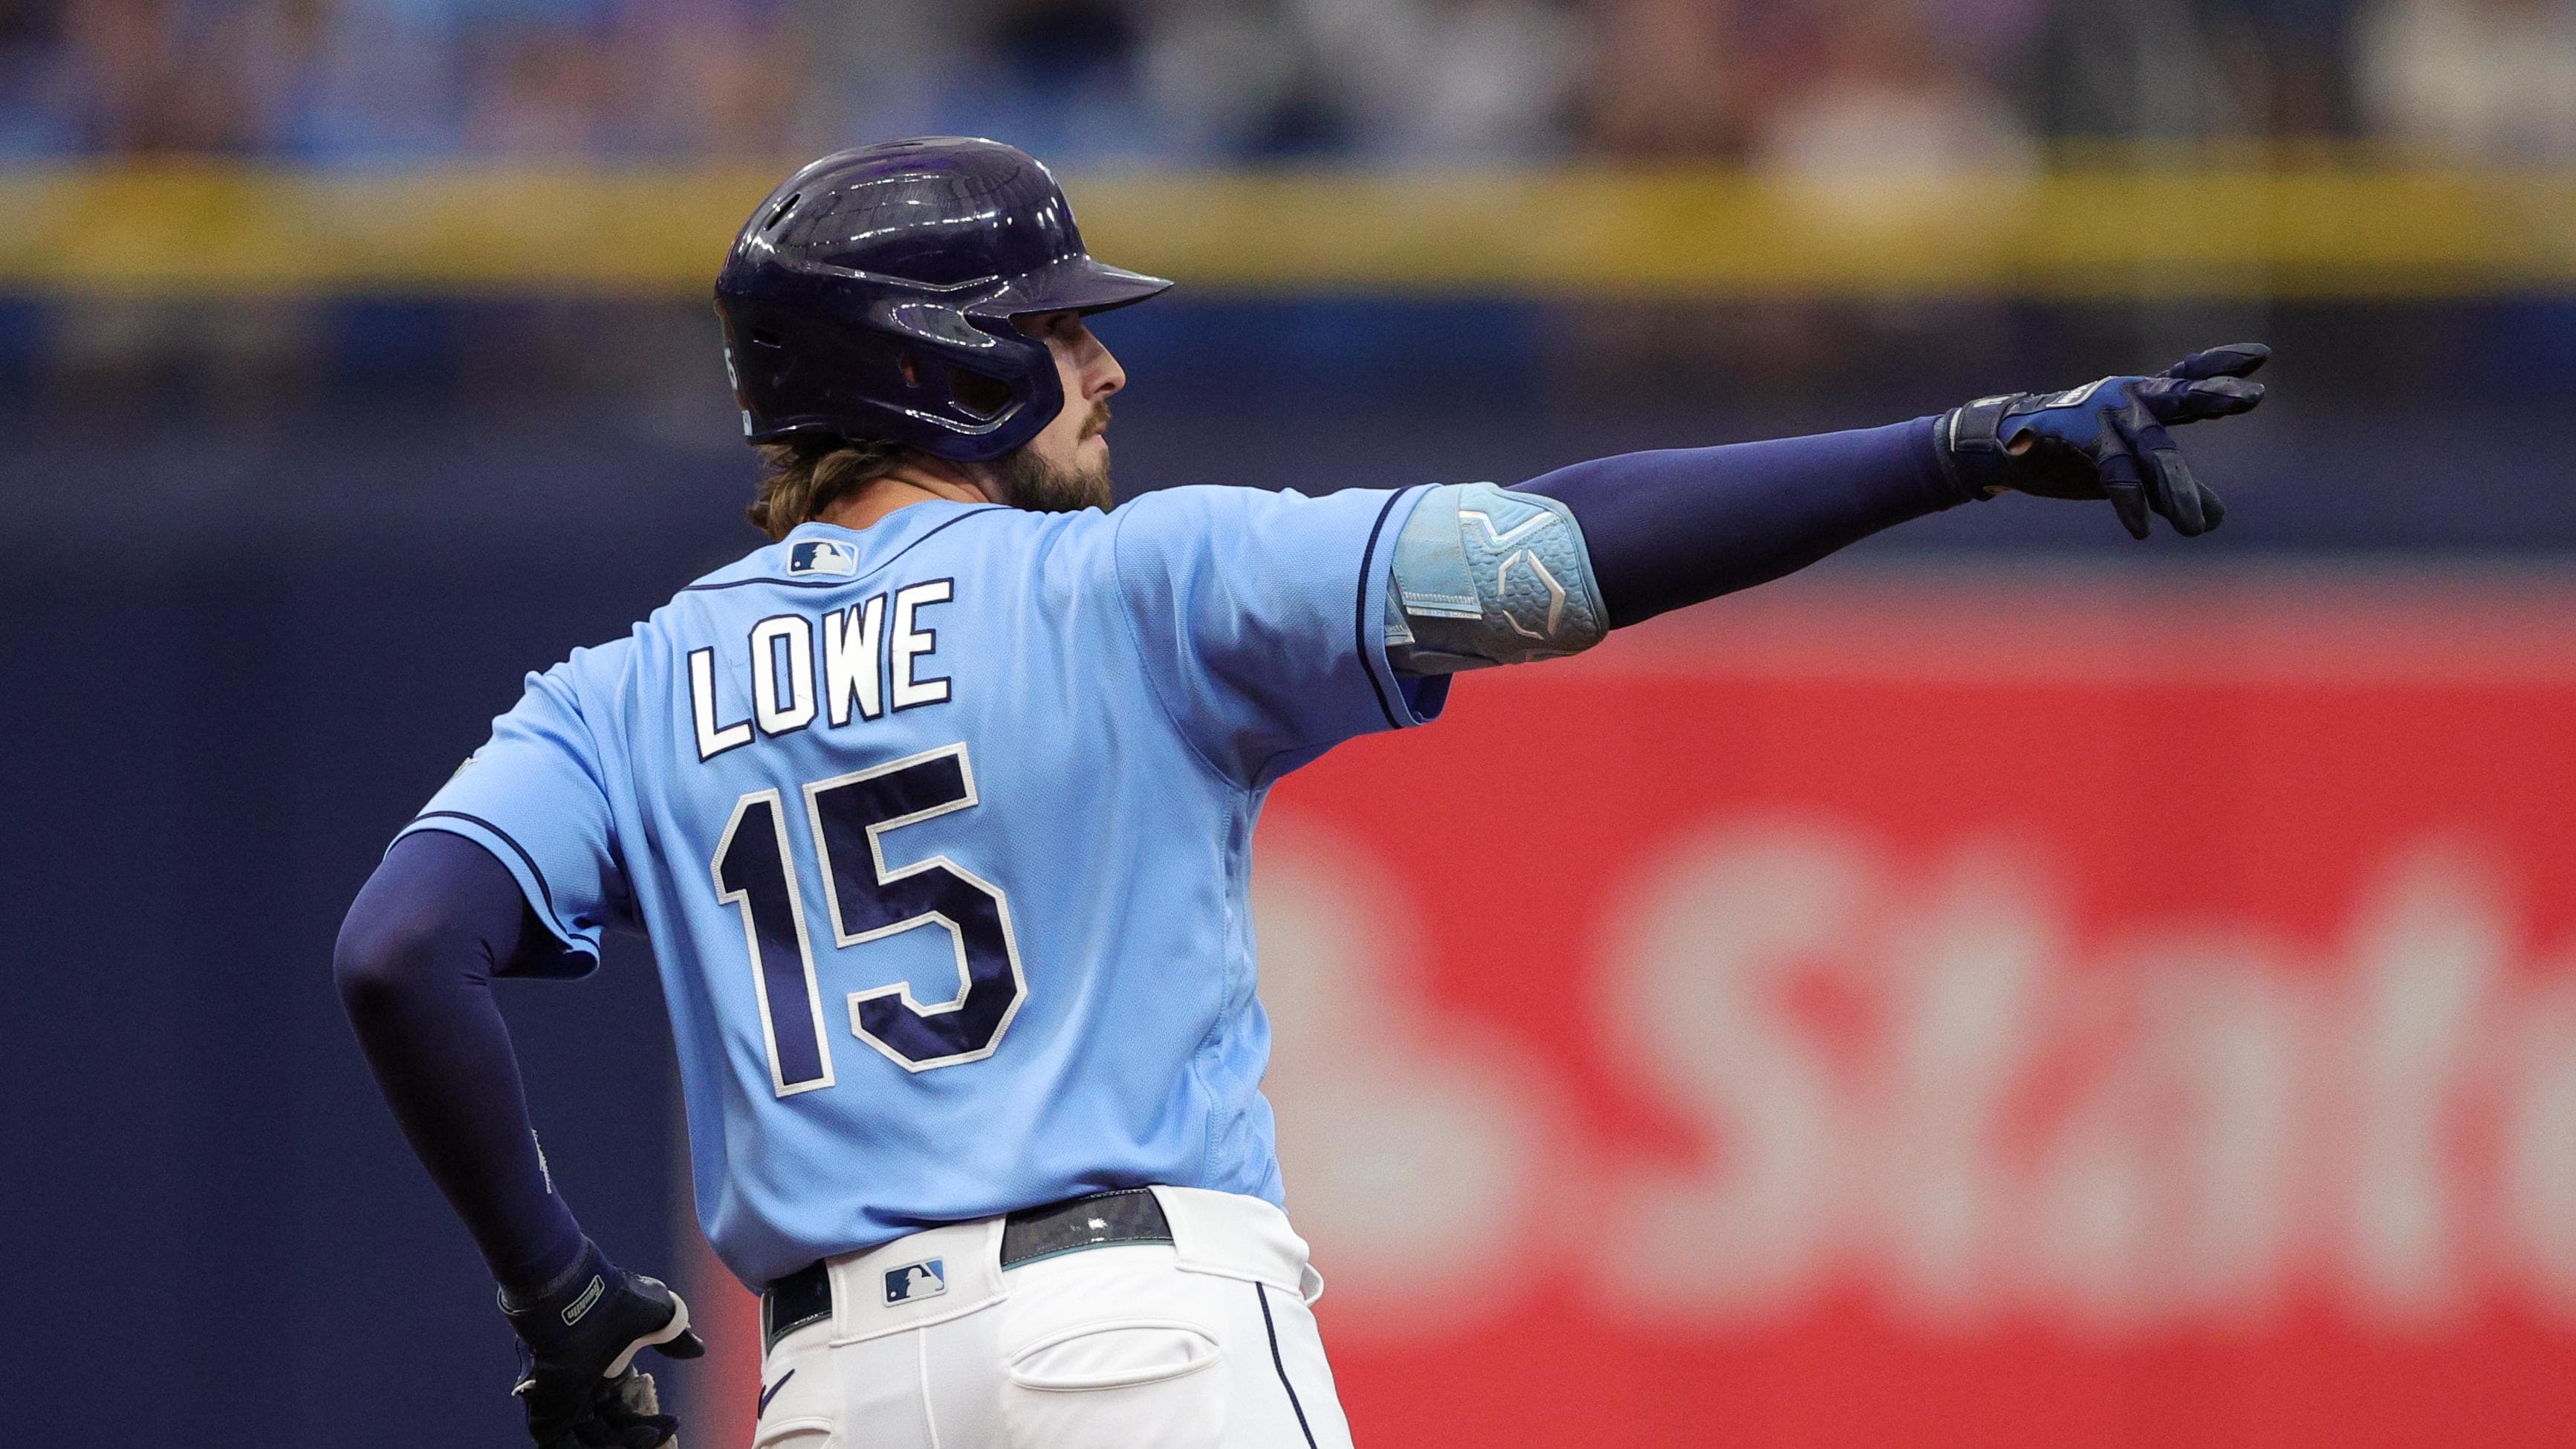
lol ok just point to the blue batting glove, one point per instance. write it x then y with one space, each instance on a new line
577 1347
2106 439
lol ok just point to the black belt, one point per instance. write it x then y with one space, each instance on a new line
1097 1220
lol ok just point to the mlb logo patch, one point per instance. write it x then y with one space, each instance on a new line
915 1281
822 556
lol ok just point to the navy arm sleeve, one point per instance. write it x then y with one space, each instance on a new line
1666 529
414 964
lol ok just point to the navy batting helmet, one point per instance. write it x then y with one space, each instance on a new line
872 295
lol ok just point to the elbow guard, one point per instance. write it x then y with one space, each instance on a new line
1483 575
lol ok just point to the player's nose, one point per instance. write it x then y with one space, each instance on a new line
1101 374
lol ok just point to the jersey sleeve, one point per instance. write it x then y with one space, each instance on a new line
1261 619
533 797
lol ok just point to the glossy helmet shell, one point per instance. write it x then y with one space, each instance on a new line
872 293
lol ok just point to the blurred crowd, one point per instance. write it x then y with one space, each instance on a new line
1822 85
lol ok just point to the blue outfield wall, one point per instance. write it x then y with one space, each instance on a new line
248 625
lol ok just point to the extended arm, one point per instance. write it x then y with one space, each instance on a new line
1484 575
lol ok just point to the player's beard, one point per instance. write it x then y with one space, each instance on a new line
1031 482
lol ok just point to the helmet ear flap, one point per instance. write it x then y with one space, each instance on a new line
933 324
981 397
978 380
1039 389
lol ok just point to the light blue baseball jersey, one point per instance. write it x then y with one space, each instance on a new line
940 830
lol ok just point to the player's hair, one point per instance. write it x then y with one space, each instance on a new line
808 473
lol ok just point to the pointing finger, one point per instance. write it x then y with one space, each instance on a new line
2236 359
2175 401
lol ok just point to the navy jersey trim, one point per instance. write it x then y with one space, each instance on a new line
1263 1293
530 861
852 579
1369 658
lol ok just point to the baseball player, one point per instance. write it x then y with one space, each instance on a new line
937 809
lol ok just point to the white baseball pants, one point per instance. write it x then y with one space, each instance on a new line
1206 1342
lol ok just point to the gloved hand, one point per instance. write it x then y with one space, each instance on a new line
577 1347
2107 439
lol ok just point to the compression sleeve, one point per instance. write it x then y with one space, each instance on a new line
414 965
1665 529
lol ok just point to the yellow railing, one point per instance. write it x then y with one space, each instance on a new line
2089 233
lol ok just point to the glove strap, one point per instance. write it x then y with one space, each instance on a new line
1972 449
551 1317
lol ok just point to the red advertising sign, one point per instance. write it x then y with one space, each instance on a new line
1870 1016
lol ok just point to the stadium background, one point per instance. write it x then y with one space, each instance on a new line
2007 986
